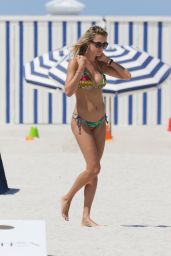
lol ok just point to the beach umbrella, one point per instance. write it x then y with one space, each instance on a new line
36 72
146 71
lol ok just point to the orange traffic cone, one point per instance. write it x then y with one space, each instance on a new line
169 125
108 133
28 138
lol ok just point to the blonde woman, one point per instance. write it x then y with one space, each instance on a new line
85 79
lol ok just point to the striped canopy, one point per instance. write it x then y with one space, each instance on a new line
147 71
36 72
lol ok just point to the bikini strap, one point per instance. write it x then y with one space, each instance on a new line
78 121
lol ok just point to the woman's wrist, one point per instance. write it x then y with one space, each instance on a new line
108 61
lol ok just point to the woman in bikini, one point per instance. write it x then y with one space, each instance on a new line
85 79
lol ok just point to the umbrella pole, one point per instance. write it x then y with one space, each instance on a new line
110 113
108 105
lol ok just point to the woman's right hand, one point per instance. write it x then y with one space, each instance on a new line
81 60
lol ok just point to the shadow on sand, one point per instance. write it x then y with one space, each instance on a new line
145 226
11 191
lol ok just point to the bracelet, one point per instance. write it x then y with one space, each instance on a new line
109 62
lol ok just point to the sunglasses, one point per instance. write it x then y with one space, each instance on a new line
100 45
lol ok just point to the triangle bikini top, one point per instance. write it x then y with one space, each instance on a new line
87 83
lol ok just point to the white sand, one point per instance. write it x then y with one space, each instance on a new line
134 189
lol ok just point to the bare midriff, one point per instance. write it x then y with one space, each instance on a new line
89 104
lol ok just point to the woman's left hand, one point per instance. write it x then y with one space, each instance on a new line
102 58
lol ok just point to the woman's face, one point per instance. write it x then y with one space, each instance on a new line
98 44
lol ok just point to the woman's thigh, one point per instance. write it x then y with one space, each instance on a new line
99 134
87 144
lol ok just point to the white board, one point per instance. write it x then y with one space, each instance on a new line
22 238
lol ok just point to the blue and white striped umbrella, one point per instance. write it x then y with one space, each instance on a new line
147 71
36 72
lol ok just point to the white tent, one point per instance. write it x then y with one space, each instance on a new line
64 7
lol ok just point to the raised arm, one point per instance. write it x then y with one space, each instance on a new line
74 73
112 68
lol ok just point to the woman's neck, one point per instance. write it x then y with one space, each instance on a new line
91 57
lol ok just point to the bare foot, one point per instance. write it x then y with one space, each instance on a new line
65 204
89 223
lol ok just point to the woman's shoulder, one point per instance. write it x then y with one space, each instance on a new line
73 59
73 62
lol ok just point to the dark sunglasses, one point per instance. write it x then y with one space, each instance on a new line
100 45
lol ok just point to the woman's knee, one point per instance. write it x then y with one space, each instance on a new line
94 169
93 181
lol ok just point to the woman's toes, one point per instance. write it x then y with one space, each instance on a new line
65 204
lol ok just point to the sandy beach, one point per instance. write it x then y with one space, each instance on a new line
133 198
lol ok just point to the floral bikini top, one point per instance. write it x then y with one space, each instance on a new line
86 81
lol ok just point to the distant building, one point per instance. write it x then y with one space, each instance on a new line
64 7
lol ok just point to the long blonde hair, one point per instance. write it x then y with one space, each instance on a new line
81 46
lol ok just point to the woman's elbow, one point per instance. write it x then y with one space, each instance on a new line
127 75
68 91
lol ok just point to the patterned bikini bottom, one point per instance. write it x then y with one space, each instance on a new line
89 124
